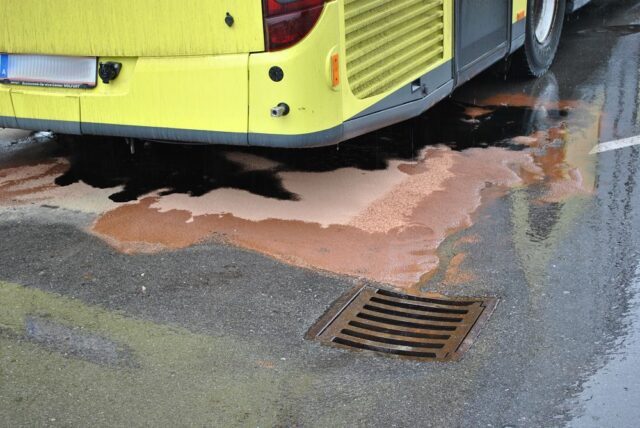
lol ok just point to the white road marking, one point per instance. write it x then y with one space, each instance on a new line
615 145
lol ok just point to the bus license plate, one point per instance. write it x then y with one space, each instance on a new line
49 70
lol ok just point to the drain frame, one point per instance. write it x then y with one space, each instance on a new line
400 324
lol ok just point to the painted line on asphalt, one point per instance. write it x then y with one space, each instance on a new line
615 145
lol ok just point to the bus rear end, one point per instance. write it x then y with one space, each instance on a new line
277 73
248 72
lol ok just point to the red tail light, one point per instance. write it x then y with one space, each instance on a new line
289 21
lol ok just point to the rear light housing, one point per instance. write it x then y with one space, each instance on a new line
286 22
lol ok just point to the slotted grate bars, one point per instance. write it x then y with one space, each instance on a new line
415 326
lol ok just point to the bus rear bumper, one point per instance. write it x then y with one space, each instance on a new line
378 116
200 99
182 136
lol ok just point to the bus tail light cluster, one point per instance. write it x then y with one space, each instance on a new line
289 21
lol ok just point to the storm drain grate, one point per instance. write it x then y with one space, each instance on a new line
413 326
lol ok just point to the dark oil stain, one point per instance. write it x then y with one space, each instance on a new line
196 170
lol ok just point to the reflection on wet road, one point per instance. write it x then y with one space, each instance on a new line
611 395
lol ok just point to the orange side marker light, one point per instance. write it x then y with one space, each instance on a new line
335 70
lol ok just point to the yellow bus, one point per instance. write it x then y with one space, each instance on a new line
278 73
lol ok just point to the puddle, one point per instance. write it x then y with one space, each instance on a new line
377 207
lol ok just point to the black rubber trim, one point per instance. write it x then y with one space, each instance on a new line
518 35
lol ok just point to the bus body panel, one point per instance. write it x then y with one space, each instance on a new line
482 31
306 87
130 28
193 93
196 99
519 19
320 107
519 10
60 108
7 115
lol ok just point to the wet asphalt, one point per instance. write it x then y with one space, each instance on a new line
213 335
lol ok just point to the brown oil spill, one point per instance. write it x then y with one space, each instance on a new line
378 207
389 236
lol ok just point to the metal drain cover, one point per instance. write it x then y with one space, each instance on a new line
414 326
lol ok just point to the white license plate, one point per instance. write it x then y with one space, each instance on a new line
49 70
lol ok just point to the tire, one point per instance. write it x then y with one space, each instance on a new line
543 30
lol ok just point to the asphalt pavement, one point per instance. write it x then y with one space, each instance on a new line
154 290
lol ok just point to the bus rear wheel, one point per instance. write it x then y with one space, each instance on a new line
545 19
